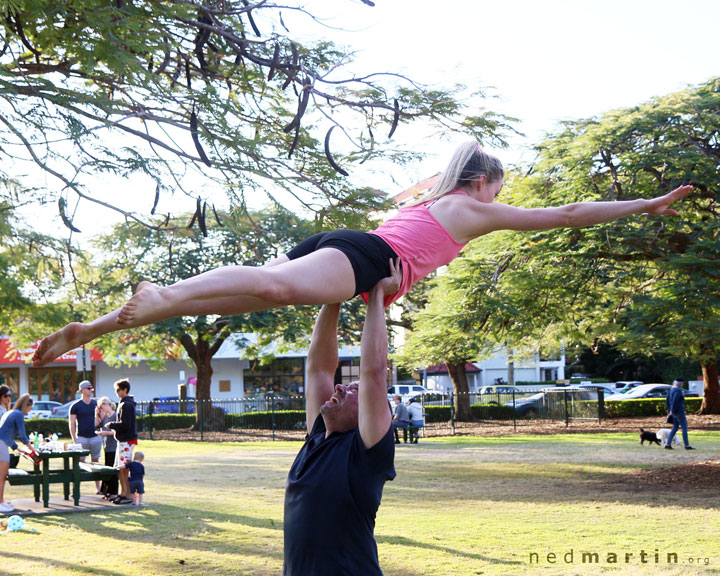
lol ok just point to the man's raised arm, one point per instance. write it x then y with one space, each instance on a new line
322 362
374 417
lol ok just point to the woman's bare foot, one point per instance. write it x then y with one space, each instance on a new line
60 342
149 304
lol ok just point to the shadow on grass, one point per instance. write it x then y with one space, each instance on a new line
402 541
171 527
545 483
79 568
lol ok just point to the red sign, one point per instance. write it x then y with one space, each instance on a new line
9 354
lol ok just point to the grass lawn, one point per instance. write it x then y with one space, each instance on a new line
458 507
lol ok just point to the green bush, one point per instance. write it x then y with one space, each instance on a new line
279 419
645 407
434 414
165 422
48 427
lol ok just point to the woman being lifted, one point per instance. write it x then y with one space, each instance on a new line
334 266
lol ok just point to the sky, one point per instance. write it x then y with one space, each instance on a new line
545 61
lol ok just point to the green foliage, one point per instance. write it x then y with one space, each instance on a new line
647 284
279 420
169 90
146 423
435 414
48 427
645 407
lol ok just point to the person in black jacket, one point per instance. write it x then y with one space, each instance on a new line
125 430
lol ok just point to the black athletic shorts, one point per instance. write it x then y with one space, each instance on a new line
368 254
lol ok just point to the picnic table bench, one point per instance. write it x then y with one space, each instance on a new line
73 472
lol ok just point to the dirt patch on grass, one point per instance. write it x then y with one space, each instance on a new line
489 428
705 475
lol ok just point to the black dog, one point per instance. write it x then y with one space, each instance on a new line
649 436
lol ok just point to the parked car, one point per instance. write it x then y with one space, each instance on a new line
625 385
172 405
406 391
648 391
550 400
528 406
42 409
62 411
608 389
500 389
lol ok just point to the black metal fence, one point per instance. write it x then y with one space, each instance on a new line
283 417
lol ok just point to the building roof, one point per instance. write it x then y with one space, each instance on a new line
442 369
416 190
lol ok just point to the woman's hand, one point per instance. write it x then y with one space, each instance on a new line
661 205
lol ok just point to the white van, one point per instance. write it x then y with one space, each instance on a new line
406 391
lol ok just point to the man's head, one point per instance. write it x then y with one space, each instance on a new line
679 382
340 412
397 398
86 389
122 388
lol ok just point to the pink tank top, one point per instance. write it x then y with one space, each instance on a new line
421 242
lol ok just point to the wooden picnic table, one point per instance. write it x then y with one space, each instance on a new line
70 473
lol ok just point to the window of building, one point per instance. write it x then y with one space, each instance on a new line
58 384
282 376
348 371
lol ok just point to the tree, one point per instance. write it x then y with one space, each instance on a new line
221 89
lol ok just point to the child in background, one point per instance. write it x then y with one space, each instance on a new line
137 473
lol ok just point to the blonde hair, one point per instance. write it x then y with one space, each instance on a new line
138 456
467 164
106 400
23 402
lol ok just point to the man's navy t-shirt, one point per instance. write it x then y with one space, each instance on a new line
85 414
333 493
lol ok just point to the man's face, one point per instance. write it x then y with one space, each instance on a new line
340 412
86 393
120 392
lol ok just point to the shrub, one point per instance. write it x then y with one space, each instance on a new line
48 426
165 422
645 407
278 419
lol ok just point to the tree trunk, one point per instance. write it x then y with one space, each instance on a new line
201 353
711 389
511 368
458 377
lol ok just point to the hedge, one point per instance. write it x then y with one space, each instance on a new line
434 414
165 422
281 419
48 426
645 407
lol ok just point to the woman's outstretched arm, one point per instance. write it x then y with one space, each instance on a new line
483 218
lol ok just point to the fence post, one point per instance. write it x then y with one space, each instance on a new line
601 403
514 413
452 411
201 417
567 414
151 409
272 416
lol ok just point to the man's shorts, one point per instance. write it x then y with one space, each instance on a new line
369 254
93 444
4 452
137 486
123 454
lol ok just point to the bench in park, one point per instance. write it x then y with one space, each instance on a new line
40 479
